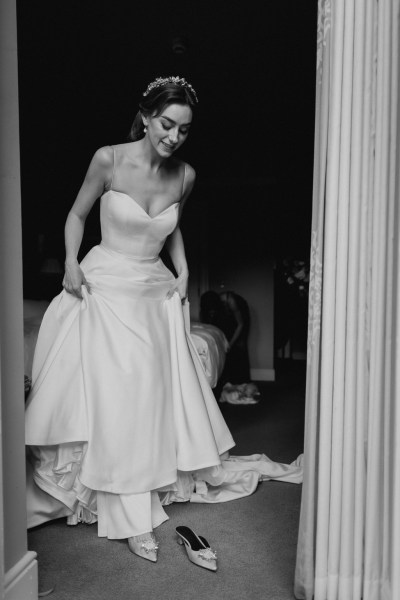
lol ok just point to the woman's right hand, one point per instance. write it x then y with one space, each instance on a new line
74 279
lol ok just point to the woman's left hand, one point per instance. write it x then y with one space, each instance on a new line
180 286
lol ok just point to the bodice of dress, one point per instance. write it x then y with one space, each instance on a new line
127 228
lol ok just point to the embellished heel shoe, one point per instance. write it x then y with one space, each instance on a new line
197 548
144 545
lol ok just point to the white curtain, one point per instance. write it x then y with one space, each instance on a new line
349 534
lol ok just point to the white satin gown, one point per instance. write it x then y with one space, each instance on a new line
120 403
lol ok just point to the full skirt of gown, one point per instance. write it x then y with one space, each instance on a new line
119 401
118 374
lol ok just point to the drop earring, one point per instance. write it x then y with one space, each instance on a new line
145 129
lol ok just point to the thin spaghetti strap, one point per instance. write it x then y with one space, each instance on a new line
183 182
113 171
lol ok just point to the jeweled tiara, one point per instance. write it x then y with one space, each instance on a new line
176 80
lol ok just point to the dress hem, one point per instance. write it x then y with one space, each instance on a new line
70 440
55 493
207 465
90 483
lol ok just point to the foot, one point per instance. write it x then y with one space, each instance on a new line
144 545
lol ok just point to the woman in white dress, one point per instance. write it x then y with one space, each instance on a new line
120 410
119 401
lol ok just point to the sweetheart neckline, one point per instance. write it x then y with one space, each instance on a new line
141 207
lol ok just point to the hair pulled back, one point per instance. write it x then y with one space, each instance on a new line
155 101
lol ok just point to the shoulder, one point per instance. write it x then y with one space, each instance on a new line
189 177
104 157
241 304
178 165
190 173
231 300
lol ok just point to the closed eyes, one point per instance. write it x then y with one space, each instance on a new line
169 124
182 131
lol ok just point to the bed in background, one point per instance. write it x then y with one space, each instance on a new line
211 345
210 342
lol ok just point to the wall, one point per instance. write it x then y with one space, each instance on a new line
254 282
228 231
18 567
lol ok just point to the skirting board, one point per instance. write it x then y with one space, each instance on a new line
262 374
21 581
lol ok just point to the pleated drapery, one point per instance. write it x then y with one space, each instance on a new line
349 534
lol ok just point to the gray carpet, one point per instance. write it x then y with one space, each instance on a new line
255 537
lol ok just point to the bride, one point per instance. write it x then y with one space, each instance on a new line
120 413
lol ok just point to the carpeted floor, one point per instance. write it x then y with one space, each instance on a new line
255 537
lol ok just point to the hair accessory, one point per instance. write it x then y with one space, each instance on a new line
160 81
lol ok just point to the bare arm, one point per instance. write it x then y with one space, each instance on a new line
238 318
175 245
98 174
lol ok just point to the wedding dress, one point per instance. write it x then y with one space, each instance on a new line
120 402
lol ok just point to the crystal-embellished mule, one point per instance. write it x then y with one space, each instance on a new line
197 548
145 546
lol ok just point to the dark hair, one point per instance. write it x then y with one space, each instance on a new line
211 309
154 103
240 303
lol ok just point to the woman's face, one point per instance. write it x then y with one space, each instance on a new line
168 130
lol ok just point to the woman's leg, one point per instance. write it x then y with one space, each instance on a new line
122 516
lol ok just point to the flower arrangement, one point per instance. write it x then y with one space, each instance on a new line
296 274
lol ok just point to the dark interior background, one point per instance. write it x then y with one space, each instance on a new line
83 65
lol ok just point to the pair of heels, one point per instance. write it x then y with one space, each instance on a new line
197 548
